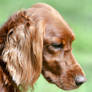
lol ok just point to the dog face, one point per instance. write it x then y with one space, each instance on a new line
39 39
59 64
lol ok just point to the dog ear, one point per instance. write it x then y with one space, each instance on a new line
37 49
23 50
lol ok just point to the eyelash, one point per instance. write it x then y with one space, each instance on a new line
58 46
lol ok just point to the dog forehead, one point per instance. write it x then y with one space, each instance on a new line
58 31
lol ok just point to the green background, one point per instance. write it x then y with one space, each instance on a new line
78 14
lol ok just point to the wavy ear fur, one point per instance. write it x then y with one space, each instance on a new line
23 48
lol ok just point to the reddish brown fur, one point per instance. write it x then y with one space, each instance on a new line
26 40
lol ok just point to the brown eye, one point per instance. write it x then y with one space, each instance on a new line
10 33
58 46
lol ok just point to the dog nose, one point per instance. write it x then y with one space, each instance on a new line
80 80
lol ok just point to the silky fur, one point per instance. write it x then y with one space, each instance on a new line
26 49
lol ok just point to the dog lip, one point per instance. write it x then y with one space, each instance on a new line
67 88
49 79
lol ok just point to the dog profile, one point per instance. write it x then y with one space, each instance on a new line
34 41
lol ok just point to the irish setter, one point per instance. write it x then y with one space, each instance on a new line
37 40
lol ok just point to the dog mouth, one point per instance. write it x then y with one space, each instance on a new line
61 85
70 85
65 81
66 88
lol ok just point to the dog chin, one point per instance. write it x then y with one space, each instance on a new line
66 88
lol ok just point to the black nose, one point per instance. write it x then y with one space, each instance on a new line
80 80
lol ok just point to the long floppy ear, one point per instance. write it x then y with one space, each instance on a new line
37 49
23 49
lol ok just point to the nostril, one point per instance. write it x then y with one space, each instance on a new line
80 80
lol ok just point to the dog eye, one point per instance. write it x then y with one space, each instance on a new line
10 33
58 46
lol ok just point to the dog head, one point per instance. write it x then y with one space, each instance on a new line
38 39
59 64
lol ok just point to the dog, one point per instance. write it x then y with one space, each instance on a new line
34 41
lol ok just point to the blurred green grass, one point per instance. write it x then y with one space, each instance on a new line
78 14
